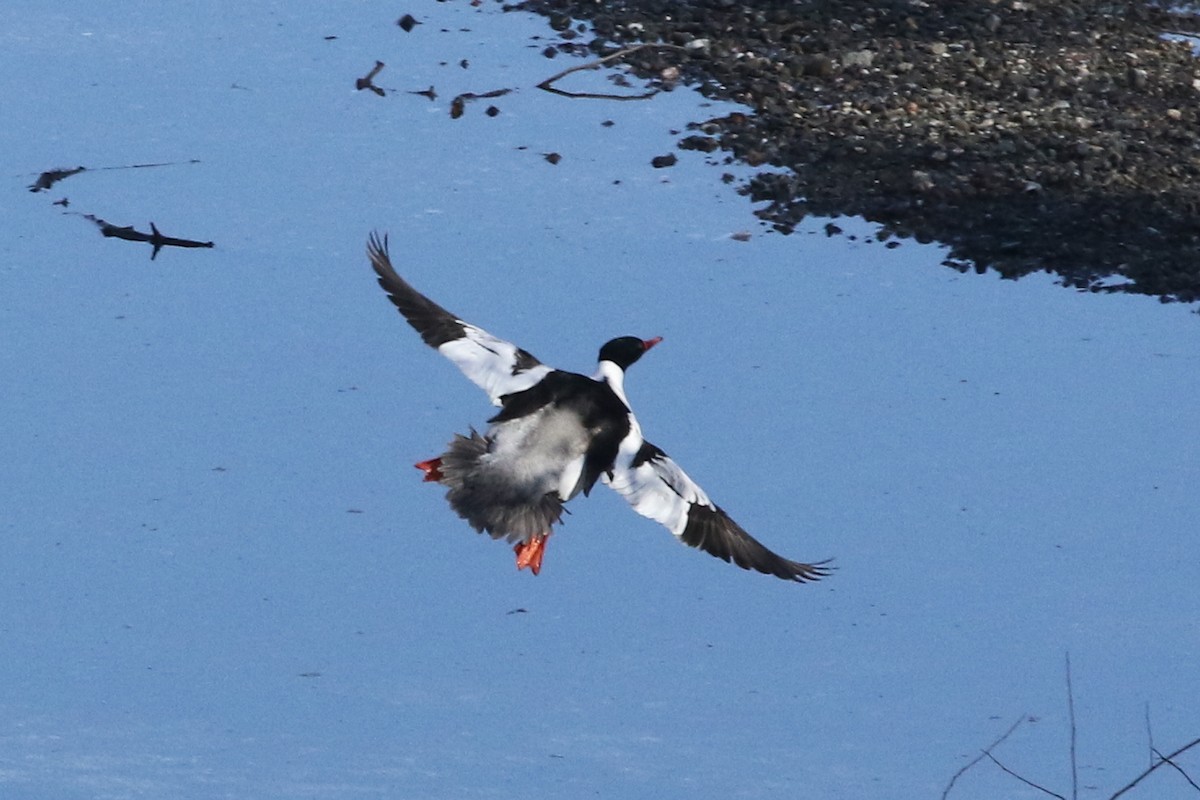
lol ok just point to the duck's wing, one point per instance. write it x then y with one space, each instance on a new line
498 367
657 488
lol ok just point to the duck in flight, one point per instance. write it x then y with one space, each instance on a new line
557 433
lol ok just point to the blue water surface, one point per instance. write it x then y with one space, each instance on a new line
223 578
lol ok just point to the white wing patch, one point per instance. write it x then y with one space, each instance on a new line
661 490
492 364
657 488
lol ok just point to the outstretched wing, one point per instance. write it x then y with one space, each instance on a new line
657 488
496 366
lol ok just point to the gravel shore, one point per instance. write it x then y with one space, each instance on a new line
1059 135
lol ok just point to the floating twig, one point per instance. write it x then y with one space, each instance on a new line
129 234
367 81
548 84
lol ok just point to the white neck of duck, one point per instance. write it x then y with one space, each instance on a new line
614 376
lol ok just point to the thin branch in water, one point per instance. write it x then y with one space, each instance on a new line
1179 769
548 84
1023 779
599 95
52 176
1165 760
1071 716
985 752
147 166
1150 734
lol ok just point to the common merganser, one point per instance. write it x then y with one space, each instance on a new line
556 434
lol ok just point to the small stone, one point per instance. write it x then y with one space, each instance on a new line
859 58
821 66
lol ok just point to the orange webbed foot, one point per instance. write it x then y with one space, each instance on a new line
530 553
432 469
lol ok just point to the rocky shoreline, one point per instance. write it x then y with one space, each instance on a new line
1028 135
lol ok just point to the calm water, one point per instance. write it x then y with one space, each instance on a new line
224 579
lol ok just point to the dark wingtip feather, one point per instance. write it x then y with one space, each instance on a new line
377 247
435 324
711 530
807 573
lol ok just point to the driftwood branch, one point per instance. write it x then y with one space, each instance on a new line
129 234
548 84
